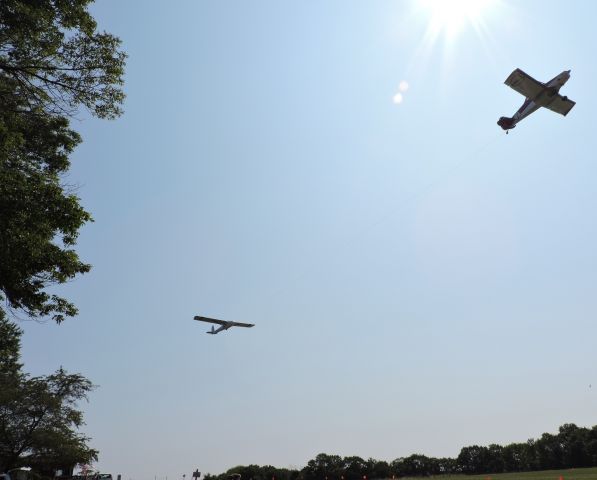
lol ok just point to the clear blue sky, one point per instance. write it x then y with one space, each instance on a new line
419 280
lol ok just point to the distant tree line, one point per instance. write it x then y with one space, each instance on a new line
571 447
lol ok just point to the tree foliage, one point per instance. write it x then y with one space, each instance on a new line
39 418
52 57
256 472
10 346
52 61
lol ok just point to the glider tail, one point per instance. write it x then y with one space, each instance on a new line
506 123
212 331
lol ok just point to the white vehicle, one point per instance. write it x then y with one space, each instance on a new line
224 325
20 473
537 95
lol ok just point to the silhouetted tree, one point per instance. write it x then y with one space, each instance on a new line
378 469
354 468
473 459
495 459
324 466
39 419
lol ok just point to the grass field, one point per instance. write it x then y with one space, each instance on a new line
572 474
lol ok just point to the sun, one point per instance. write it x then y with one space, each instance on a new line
442 22
451 16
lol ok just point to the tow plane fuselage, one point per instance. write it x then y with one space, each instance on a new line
537 95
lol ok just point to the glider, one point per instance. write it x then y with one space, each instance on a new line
224 325
537 95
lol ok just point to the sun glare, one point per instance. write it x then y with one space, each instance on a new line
451 16
443 21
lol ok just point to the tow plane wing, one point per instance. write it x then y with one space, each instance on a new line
561 105
524 84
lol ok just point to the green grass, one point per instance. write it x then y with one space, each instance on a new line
572 474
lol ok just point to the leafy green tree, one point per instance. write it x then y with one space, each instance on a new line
52 61
39 418
378 469
10 346
592 446
354 468
548 452
447 466
515 457
415 465
324 466
528 451
473 459
52 57
576 445
256 472
495 459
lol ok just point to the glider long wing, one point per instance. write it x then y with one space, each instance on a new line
223 322
561 105
210 320
238 324
524 84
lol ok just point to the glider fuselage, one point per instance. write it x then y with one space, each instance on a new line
223 324
214 330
